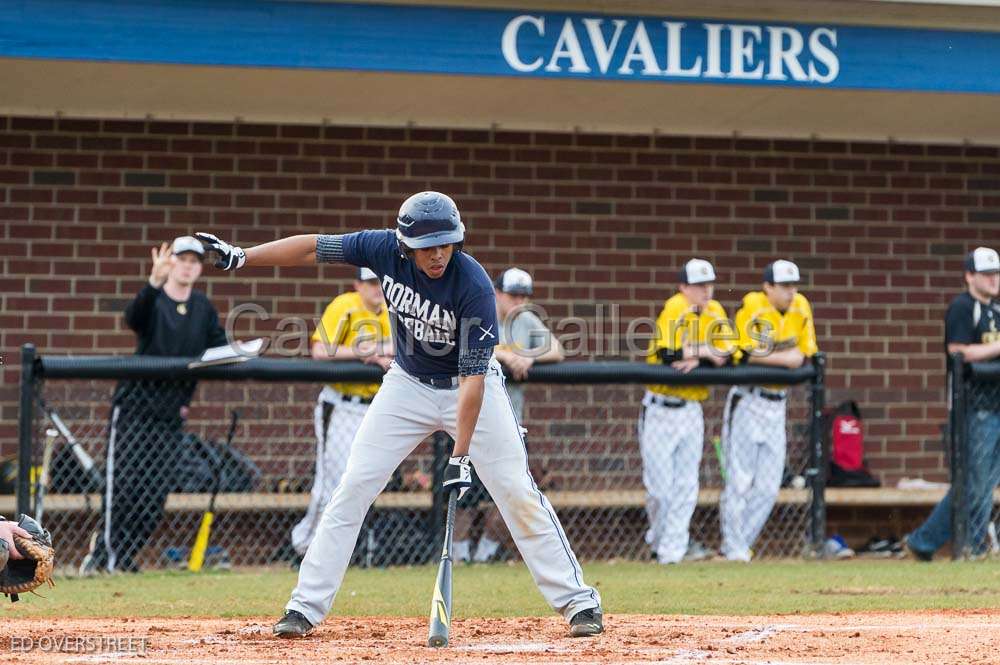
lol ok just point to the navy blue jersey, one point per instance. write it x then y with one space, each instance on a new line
433 320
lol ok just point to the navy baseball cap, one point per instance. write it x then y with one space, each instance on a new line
982 259
781 272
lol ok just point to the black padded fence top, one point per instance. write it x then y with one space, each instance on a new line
274 369
987 372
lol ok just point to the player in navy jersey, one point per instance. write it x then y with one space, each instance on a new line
442 311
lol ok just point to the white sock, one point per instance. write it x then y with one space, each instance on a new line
460 550
485 550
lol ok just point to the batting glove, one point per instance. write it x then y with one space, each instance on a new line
230 258
457 475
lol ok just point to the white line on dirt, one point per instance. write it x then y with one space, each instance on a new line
516 647
758 634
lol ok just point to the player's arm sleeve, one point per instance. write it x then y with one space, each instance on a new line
807 340
332 328
479 333
667 345
364 248
139 312
959 327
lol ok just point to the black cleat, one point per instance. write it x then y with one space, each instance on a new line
293 624
587 623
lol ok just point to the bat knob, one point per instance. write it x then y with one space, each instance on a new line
437 641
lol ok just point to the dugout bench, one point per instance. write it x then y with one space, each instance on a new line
257 501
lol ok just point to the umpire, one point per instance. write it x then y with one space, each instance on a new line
169 318
972 328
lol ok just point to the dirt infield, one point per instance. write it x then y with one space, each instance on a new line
962 638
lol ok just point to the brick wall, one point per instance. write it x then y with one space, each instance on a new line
878 229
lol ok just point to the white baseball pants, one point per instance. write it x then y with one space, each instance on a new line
336 422
403 413
671 439
754 444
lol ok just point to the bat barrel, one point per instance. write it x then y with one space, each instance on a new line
440 620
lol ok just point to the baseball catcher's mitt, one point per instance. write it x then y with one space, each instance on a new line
35 569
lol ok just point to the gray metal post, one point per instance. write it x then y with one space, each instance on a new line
817 456
25 427
959 460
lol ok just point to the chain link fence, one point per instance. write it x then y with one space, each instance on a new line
125 454
969 513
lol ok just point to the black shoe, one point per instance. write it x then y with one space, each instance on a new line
587 623
293 624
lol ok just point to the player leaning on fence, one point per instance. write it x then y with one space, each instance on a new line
972 328
775 326
355 326
691 330
169 318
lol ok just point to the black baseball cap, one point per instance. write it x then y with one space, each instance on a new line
697 271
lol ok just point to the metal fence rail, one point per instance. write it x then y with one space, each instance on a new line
583 441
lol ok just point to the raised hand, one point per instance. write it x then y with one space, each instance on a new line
163 261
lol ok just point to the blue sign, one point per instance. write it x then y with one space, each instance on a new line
518 43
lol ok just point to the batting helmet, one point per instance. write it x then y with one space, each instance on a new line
429 219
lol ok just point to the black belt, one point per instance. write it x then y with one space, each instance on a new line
355 399
669 402
446 383
768 394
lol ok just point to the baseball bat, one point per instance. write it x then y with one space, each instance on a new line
85 460
441 602
43 476
720 455
197 558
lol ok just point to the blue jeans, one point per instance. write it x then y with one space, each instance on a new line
982 475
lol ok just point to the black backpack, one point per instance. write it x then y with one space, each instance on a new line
201 460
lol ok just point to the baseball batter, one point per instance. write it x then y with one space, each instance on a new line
775 328
692 329
354 326
444 327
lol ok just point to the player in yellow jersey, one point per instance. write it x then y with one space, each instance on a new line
776 328
691 330
355 326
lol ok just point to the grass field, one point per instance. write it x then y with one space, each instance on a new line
507 590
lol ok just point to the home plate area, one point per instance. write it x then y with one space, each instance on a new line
941 638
